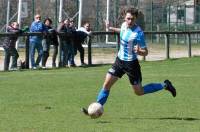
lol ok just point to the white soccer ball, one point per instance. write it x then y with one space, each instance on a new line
95 110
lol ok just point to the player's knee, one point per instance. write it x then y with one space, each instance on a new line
139 93
138 90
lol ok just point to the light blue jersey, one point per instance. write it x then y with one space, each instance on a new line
129 37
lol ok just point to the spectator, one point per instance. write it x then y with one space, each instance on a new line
81 35
71 55
36 41
66 42
47 42
9 47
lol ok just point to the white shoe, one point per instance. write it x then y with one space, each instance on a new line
44 67
34 68
19 64
13 69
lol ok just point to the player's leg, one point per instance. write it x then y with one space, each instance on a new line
136 81
154 87
112 76
104 92
149 88
135 77
138 89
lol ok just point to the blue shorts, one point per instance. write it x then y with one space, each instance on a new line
131 68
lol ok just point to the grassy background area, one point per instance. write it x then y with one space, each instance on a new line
50 100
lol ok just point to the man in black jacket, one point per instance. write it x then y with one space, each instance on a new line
66 42
9 47
47 42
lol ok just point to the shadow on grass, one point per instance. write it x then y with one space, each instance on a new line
161 118
180 118
164 118
58 68
103 122
96 65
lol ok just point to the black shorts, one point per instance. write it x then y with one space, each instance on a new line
131 68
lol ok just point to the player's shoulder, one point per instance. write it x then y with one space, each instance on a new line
124 25
138 28
139 31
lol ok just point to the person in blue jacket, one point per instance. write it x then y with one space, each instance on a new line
36 41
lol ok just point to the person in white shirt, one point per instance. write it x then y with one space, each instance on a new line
81 34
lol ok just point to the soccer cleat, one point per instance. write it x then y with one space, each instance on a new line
170 88
85 111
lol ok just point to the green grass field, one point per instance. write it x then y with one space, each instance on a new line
50 100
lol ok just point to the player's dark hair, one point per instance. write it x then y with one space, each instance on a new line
132 11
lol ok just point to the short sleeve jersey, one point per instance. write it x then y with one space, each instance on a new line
129 37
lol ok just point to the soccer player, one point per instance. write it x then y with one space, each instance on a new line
132 43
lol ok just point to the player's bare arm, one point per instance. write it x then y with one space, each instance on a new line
141 51
110 28
117 30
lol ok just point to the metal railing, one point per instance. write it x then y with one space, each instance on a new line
90 37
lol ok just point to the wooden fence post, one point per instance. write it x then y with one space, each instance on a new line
118 42
189 44
167 45
89 43
60 64
27 52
